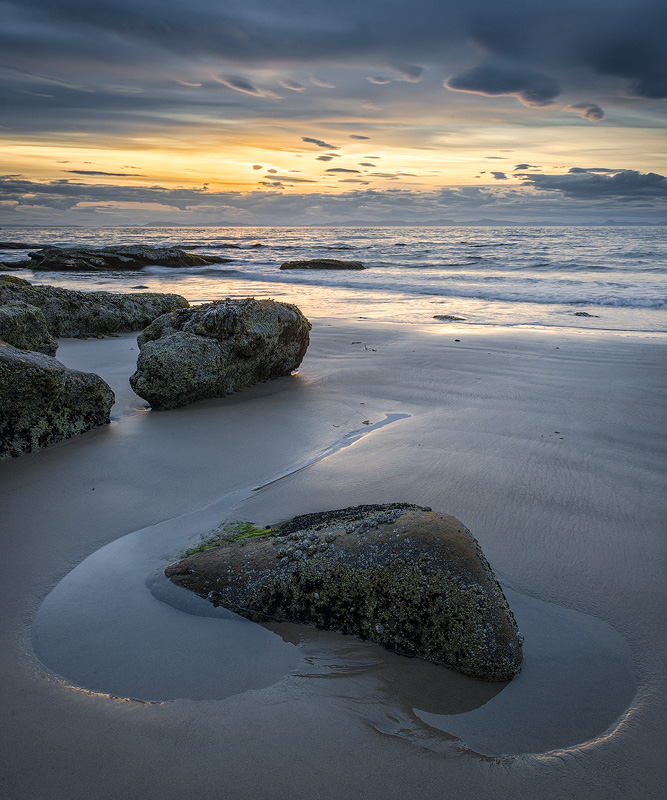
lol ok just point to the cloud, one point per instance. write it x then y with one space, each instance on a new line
522 167
409 72
257 166
341 169
293 86
290 178
357 136
639 197
319 143
628 184
322 84
499 176
246 87
586 42
96 172
532 88
603 170
590 111
324 158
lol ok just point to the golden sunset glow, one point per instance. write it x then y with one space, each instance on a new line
440 115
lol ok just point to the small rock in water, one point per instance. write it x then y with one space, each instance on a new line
322 263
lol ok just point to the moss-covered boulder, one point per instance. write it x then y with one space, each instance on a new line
24 326
122 257
215 349
43 401
322 263
69 312
411 579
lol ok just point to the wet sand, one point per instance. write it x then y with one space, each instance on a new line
548 445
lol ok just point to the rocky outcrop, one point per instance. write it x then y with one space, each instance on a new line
122 257
214 349
16 246
406 577
43 401
24 326
322 263
73 313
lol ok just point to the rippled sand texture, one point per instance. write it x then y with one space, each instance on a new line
549 446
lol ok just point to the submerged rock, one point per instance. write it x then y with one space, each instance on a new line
214 349
322 263
43 401
121 257
69 312
411 579
24 326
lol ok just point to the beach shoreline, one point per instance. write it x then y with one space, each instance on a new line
546 443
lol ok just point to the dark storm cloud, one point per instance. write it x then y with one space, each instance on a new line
319 143
532 88
628 185
530 49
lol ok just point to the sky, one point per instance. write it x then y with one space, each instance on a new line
285 112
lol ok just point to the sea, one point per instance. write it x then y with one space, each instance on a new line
603 278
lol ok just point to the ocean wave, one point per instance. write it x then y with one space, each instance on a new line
210 269
534 291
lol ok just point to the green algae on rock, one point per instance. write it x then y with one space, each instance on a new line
43 401
322 263
70 312
24 326
413 580
215 349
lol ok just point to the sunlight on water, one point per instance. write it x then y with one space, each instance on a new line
592 278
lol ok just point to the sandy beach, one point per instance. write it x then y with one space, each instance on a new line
548 444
